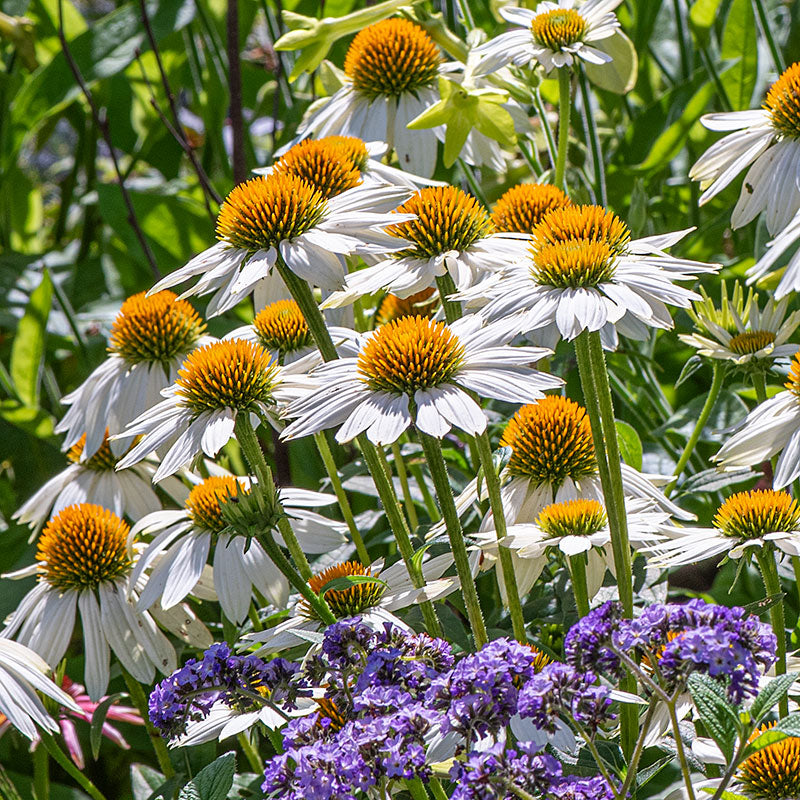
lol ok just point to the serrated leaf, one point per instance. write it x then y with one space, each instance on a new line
760 607
630 445
27 350
718 715
772 694
98 718
212 782
643 776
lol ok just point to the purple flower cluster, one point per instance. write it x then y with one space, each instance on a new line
725 643
489 775
190 692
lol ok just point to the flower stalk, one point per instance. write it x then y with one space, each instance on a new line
772 586
564 111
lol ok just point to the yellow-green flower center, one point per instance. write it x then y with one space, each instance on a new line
204 503
522 207
772 773
281 326
102 461
348 601
82 547
750 342
391 58
159 328
557 28
752 515
408 354
572 518
419 304
783 103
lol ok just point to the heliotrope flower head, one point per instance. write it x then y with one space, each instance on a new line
182 542
150 337
95 480
84 565
521 208
554 34
740 331
419 304
746 520
283 215
215 384
417 370
773 772
585 272
770 428
449 233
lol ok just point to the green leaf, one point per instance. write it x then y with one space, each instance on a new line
630 445
702 16
771 695
689 368
739 43
789 725
618 76
712 480
212 782
105 49
494 121
98 718
346 581
719 716
149 784
27 351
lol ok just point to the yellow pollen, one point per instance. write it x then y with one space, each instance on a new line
772 773
158 328
752 515
204 503
391 58
573 264
522 207
550 441
348 601
447 219
783 103
751 342
232 373
558 28
332 164
281 326
572 518
102 461
540 659
260 213
328 710
793 383
392 307
82 547
408 354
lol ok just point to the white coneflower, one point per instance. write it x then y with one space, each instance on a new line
149 339
585 273
449 233
215 384
416 370
770 428
745 521
184 538
84 567
285 215
128 492
554 34
522 207
373 600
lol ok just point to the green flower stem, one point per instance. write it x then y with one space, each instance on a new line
548 133
284 565
251 753
251 448
633 764
41 773
772 584
474 186
760 385
593 139
521 793
564 110
437 789
427 497
441 482
408 501
466 12
58 755
158 744
599 407
676 733
580 588
344 503
302 295
230 632
446 286
717 379
777 57
498 513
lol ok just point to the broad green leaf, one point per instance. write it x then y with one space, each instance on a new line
619 76
718 715
494 121
702 16
212 782
98 719
771 695
27 351
103 50
739 43
32 420
630 445
712 480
